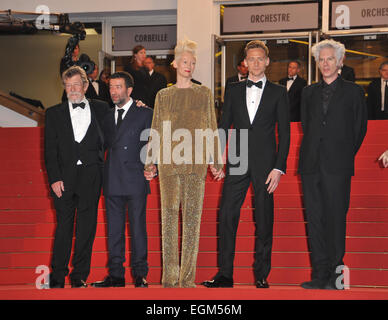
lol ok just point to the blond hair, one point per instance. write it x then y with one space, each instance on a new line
185 45
254 44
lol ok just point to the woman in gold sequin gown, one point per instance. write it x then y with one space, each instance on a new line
181 112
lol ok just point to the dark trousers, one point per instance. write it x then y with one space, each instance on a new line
116 217
326 199
79 205
233 195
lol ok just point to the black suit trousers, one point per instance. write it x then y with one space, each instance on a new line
326 199
79 205
233 195
116 214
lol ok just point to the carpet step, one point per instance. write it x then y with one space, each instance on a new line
206 243
211 189
205 259
354 229
153 202
242 275
208 215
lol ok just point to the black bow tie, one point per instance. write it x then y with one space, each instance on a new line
292 78
250 83
81 105
243 78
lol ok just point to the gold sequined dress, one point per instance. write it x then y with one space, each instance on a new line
184 140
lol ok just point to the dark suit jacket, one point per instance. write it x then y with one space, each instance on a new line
156 82
294 96
331 141
59 144
347 73
124 170
374 101
263 154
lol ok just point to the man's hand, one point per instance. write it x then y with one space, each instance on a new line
273 180
384 158
150 173
140 103
217 174
58 187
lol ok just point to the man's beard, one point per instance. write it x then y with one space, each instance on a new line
77 99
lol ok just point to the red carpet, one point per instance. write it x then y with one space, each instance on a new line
27 224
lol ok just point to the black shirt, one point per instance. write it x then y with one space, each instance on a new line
327 93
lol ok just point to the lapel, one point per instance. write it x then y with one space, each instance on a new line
317 99
65 113
243 94
126 121
293 86
93 120
263 102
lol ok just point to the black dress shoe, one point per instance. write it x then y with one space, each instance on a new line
78 283
140 282
314 284
56 284
262 284
218 282
109 282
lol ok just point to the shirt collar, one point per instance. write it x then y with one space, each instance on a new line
84 100
264 79
126 106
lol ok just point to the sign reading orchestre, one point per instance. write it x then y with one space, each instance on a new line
359 13
270 17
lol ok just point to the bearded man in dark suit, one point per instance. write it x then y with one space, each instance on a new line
74 157
124 183
254 107
334 122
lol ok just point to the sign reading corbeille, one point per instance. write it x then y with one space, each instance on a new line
345 15
270 17
151 37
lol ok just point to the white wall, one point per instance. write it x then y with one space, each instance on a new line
77 6
198 20
10 118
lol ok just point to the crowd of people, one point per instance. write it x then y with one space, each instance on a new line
152 130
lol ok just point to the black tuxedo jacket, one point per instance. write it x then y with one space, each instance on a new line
123 169
263 152
331 141
156 82
59 144
294 96
374 101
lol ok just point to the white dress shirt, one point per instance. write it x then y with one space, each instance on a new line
254 97
80 120
290 82
125 108
96 86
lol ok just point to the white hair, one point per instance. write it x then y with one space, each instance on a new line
185 45
339 49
